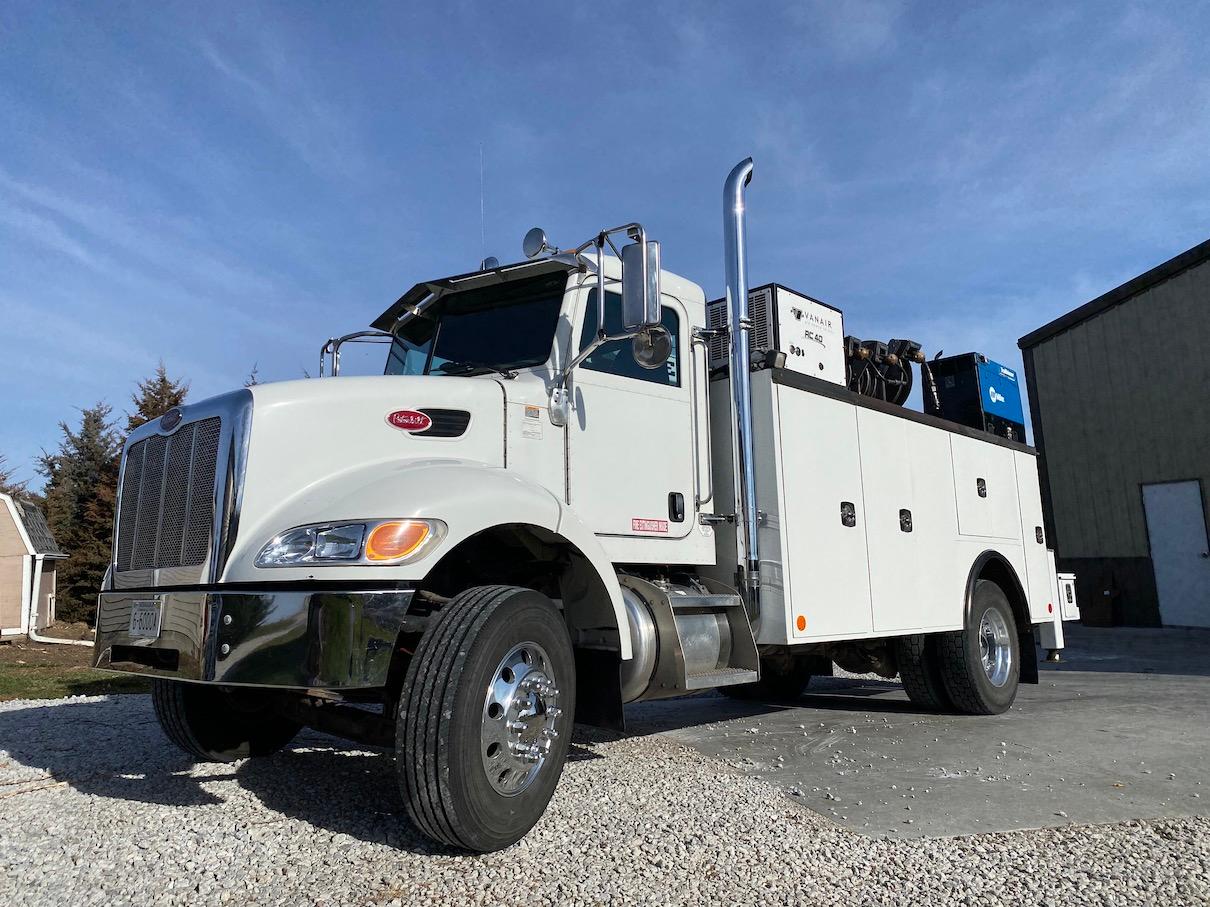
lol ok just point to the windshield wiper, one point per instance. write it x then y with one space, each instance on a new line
470 369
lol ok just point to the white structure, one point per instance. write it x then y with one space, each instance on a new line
28 556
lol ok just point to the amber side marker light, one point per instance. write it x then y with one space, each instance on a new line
396 539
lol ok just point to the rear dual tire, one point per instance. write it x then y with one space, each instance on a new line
975 670
981 666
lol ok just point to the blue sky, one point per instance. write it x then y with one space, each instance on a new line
222 185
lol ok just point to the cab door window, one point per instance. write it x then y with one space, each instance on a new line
617 357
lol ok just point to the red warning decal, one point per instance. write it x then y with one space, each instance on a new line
409 420
638 525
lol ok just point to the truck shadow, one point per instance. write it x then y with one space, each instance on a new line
114 749
827 694
101 747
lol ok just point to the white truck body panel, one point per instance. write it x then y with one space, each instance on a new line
823 581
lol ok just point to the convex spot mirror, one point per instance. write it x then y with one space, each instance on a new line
641 286
535 243
652 347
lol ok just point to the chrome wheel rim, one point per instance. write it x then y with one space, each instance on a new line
521 719
995 647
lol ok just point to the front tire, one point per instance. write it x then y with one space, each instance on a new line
981 664
214 724
485 718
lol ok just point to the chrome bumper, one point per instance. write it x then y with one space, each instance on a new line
298 639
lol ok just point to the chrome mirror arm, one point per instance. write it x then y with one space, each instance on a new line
333 345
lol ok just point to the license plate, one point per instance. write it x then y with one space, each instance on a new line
145 619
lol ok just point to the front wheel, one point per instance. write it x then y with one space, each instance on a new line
485 718
981 665
214 724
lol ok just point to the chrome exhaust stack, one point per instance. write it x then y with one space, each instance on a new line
747 517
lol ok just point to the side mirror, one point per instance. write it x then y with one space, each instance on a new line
652 347
641 286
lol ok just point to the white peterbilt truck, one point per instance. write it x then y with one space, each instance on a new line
554 502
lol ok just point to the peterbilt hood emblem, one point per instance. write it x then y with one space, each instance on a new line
409 420
171 419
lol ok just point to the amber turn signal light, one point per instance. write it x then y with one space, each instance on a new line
396 539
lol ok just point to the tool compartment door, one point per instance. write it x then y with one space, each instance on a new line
825 548
985 485
916 578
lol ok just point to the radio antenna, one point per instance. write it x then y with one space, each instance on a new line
482 219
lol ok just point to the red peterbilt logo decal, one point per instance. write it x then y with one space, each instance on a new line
638 525
409 420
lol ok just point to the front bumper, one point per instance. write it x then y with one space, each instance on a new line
300 639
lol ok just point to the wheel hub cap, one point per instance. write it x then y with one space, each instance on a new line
521 718
995 647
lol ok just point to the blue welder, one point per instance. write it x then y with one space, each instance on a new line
974 391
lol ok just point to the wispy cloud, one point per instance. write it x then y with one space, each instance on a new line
172 245
852 30
276 88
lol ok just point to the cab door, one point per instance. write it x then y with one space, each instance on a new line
630 460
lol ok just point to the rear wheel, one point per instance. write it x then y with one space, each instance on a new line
216 724
784 674
981 665
920 671
485 718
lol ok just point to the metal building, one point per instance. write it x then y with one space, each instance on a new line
1119 391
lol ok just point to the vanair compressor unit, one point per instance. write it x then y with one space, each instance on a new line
809 332
976 392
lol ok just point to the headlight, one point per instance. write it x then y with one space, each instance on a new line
383 542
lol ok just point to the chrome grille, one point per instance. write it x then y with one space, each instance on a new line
167 510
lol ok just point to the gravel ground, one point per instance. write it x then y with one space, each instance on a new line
96 808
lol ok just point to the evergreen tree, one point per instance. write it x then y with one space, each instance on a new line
8 482
253 378
155 396
81 486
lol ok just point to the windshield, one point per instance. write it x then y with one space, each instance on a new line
502 327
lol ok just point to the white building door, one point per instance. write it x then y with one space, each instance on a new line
1180 551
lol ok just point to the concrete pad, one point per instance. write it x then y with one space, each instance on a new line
1120 730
